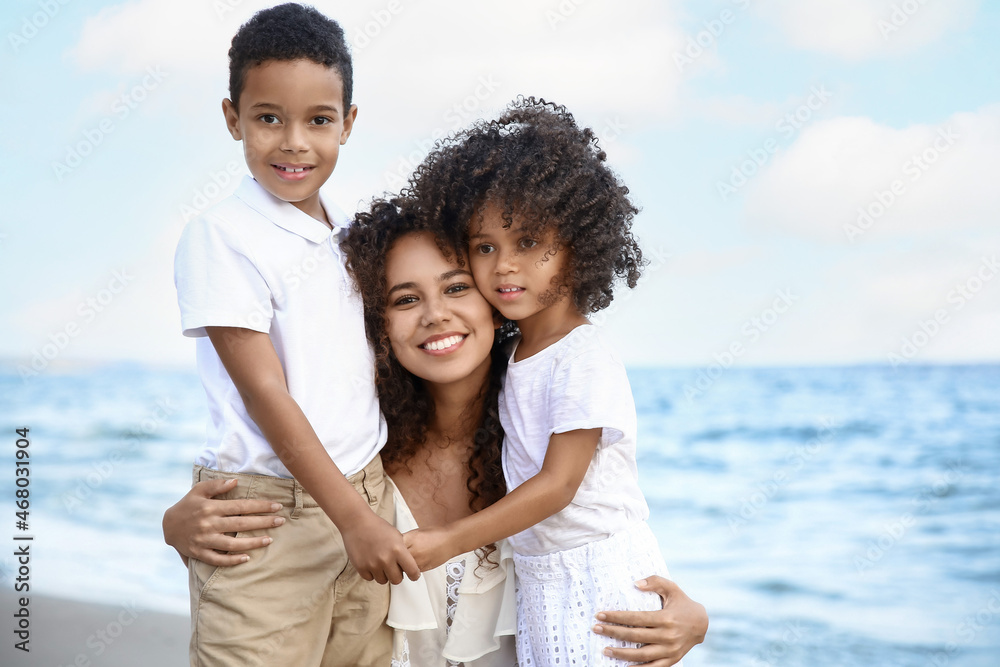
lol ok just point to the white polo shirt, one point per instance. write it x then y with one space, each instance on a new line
256 262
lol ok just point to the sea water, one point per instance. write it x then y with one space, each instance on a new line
824 516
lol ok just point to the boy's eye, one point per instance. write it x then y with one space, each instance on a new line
322 120
269 118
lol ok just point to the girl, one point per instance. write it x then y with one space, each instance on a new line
548 231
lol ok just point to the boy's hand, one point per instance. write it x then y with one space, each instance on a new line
376 548
430 547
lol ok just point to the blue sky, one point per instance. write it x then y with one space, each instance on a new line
750 133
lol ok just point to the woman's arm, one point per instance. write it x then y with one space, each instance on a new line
197 524
668 634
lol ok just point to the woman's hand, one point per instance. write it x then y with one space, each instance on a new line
668 634
196 526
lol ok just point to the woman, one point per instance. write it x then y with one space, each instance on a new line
439 363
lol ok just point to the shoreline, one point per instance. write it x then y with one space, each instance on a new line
69 632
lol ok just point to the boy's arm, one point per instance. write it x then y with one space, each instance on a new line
566 461
373 545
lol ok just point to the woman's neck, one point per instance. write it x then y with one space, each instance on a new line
458 405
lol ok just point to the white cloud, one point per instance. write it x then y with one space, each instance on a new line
417 63
856 29
907 182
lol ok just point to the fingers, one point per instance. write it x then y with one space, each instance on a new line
637 635
220 559
665 588
644 654
639 619
410 567
243 524
234 544
212 487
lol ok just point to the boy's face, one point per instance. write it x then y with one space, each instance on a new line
292 123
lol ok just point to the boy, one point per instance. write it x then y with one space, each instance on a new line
287 370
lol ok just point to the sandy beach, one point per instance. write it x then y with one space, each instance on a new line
65 632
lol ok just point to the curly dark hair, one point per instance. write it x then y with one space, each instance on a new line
403 397
536 164
289 32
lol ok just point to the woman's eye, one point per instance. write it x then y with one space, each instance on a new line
269 118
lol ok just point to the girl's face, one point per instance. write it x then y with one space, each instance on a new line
440 327
519 274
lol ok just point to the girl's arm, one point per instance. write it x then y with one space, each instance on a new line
197 524
373 545
668 634
566 462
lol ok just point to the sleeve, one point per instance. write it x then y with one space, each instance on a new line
591 390
218 283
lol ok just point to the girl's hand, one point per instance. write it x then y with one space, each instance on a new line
430 547
197 525
668 634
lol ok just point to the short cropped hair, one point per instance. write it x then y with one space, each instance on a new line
289 32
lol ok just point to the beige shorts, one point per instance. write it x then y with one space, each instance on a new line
298 601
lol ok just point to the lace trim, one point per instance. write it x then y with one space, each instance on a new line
455 572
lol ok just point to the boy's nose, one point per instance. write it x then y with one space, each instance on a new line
294 139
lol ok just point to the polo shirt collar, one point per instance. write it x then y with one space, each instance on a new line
289 218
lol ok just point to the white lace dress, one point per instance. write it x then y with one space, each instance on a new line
458 614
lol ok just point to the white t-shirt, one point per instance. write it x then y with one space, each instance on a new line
575 383
256 262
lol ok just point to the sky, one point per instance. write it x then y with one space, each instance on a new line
818 178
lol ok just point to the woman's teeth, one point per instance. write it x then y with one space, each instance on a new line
443 343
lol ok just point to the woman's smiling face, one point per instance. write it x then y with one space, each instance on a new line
440 327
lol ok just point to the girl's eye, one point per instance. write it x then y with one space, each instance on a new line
269 118
527 243
405 300
484 248
457 288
